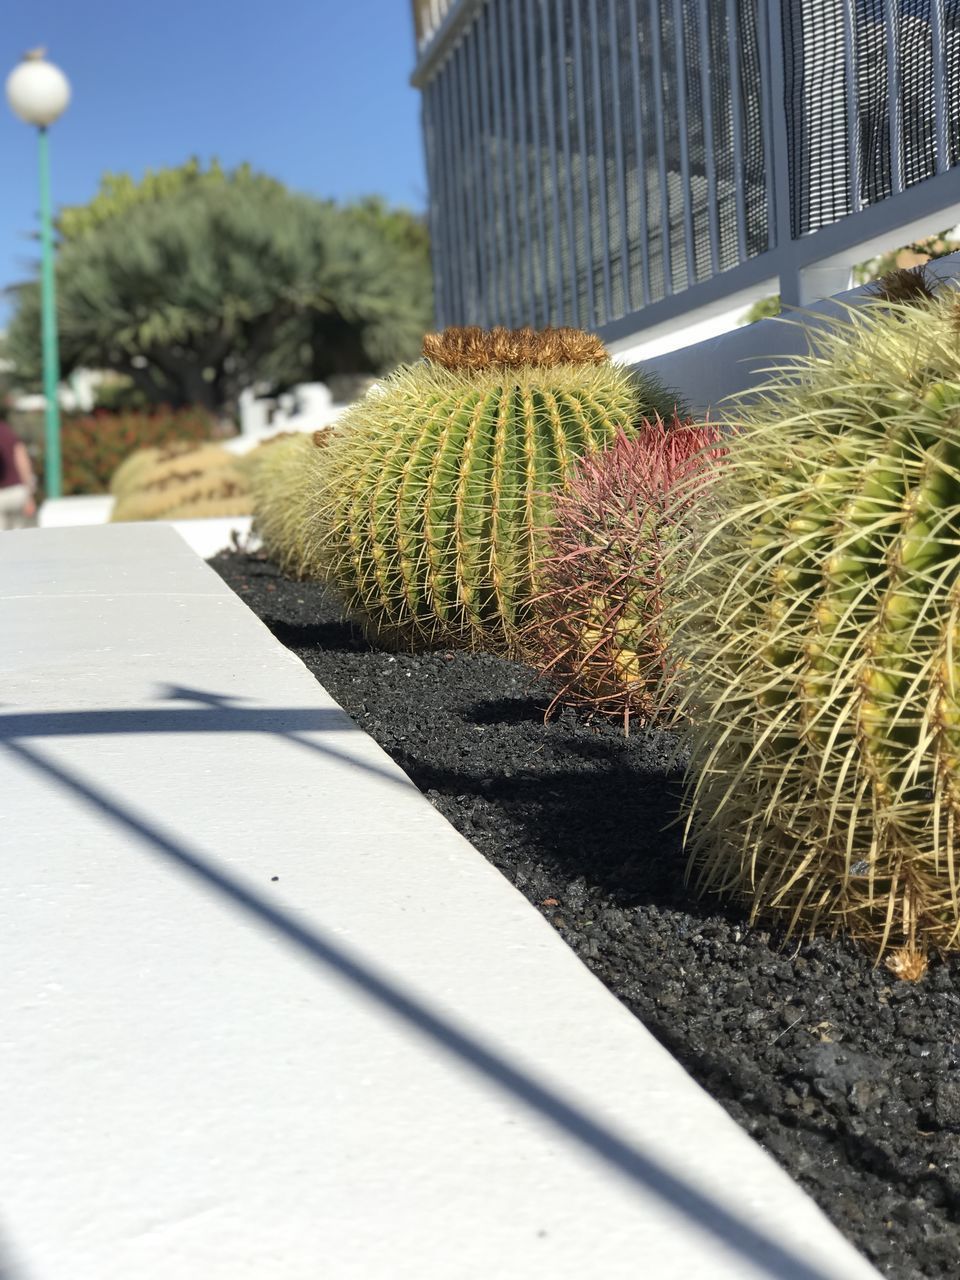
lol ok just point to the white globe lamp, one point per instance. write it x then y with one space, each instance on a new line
37 91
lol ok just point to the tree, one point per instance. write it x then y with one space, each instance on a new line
911 255
119 193
196 284
763 309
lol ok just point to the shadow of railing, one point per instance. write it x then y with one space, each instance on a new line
753 1245
218 713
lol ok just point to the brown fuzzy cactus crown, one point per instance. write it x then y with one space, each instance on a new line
472 348
906 284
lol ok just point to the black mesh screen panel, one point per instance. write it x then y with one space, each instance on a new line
871 95
754 161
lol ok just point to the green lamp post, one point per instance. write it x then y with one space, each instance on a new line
38 92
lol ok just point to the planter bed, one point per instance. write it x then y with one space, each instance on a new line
848 1077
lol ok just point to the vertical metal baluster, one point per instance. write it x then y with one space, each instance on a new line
535 89
502 310
619 166
429 119
558 316
455 264
479 173
510 161
455 267
466 188
787 217
565 114
601 165
667 248
709 156
679 53
850 95
891 11
641 151
469 250
590 318
526 261
939 85
766 122
733 58
491 284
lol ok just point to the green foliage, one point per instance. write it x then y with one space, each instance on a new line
93 445
120 193
623 520
118 394
821 635
436 491
911 255
195 285
762 309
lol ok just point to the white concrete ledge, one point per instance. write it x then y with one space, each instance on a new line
266 1016
75 512
206 537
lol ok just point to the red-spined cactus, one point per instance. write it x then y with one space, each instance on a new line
622 524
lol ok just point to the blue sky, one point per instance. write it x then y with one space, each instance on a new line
313 92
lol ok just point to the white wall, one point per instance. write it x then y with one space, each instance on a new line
710 371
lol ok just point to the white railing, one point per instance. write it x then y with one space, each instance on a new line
739 362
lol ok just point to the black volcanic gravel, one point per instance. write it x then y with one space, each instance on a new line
848 1077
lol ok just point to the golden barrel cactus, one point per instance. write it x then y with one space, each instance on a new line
821 635
437 487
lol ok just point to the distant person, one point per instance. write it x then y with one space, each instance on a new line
17 483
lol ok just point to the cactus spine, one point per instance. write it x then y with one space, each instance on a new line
623 523
437 486
283 482
822 640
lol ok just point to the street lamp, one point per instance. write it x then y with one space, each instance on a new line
38 92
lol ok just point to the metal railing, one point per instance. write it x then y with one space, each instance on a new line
619 163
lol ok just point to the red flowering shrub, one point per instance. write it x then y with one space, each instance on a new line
93 445
626 515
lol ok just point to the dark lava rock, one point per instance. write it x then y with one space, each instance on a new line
848 1077
946 1105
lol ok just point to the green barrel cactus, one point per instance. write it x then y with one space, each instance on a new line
283 475
436 488
821 639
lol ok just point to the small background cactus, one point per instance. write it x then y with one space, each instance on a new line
177 483
146 467
821 632
622 524
437 486
284 481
